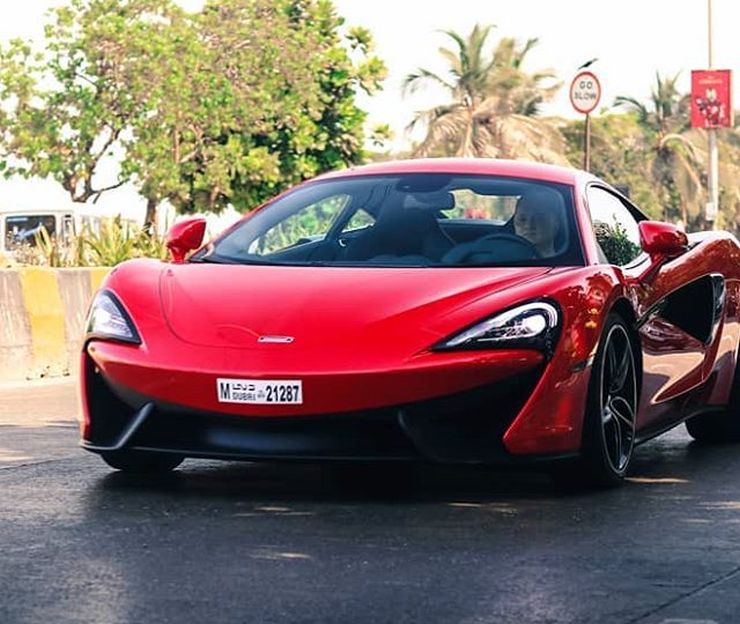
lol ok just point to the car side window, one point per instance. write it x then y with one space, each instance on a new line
359 221
615 229
306 225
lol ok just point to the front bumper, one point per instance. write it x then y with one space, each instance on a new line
462 427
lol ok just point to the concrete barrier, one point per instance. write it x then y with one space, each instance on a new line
42 315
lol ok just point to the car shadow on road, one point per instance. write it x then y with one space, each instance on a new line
667 463
346 482
397 484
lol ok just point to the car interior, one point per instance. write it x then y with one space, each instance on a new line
405 225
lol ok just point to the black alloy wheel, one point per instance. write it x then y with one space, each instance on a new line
609 425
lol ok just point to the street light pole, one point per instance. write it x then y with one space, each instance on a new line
712 208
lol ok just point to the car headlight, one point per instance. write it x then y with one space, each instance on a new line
532 325
108 319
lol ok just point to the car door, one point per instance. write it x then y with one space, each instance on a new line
674 306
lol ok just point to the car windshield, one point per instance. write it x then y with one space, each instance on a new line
427 220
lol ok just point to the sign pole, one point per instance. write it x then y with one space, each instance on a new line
587 144
585 93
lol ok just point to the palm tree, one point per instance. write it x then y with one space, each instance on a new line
516 91
493 102
673 161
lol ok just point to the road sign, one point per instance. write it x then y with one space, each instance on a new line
585 92
711 99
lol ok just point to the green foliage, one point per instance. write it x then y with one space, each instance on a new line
619 155
116 242
112 243
60 116
671 160
381 134
615 243
313 221
47 250
493 102
50 248
225 106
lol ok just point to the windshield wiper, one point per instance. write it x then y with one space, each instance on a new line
209 260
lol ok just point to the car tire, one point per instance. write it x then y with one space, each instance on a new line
142 463
611 408
722 427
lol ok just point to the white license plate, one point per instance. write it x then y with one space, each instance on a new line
260 391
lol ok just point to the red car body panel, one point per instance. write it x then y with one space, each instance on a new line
674 362
363 337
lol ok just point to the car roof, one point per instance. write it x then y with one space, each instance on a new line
475 166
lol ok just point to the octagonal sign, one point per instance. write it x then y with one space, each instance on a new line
585 92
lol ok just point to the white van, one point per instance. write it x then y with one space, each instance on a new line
18 227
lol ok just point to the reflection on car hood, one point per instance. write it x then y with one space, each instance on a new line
320 308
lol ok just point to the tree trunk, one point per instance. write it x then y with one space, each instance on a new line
150 220
465 148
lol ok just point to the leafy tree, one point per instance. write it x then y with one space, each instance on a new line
314 125
493 102
228 105
619 155
63 111
515 91
615 243
673 164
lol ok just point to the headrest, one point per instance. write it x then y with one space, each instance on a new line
544 199
435 200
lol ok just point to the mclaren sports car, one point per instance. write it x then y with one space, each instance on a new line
469 311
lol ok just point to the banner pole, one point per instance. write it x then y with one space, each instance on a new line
712 209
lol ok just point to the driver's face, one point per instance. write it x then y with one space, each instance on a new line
536 224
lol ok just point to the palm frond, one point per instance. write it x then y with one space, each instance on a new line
413 81
429 116
453 60
635 105
520 54
445 129
462 48
476 42
681 140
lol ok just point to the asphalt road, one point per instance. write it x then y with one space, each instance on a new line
229 542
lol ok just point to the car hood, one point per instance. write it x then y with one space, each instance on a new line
320 308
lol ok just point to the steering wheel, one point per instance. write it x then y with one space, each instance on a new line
493 248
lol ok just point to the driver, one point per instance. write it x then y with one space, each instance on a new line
537 220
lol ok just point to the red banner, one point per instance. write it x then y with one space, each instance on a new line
711 98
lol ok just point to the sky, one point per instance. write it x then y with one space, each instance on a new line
632 39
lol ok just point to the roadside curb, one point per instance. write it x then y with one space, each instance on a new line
42 319
63 380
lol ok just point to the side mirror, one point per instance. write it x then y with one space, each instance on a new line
662 240
185 236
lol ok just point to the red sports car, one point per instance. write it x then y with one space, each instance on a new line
474 311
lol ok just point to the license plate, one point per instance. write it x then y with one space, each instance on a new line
260 391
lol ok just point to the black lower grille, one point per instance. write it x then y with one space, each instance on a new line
464 427
110 415
469 426
363 435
